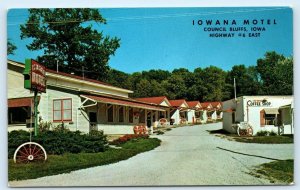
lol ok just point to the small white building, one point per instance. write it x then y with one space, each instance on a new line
194 113
179 111
80 103
263 113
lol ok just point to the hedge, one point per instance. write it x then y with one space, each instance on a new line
59 142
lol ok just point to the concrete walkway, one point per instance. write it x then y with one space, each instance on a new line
187 156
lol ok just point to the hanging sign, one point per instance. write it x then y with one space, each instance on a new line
34 76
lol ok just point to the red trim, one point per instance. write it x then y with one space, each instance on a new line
62 110
20 102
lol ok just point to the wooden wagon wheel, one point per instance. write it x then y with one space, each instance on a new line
249 131
30 152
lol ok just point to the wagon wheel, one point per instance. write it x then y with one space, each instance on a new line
30 152
249 131
241 132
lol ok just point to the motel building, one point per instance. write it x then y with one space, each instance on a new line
179 111
212 111
195 112
263 113
161 117
80 103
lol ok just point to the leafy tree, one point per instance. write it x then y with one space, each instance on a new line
246 81
276 73
10 48
119 79
175 87
147 88
214 81
158 75
67 36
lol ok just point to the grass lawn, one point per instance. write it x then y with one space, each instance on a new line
282 171
279 139
57 164
266 139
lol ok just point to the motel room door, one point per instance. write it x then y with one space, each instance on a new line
93 121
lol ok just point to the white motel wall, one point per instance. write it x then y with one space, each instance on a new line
263 113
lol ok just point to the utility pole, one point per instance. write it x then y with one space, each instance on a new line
57 66
234 86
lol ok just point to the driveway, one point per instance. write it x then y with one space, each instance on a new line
187 156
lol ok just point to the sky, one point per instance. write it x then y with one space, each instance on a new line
165 38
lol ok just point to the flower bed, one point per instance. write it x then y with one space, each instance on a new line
128 137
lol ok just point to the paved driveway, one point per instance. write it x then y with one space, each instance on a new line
187 156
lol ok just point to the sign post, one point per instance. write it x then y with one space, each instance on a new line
35 81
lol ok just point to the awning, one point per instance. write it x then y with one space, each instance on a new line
123 102
20 102
271 111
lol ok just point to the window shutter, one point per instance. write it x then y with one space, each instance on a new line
262 118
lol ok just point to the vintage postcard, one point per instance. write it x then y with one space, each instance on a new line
150 96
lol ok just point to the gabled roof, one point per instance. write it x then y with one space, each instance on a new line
155 100
205 105
212 105
178 103
215 104
193 104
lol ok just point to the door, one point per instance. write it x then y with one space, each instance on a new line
93 121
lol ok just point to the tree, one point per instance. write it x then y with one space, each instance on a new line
276 73
147 88
119 79
246 81
175 87
67 36
10 48
214 81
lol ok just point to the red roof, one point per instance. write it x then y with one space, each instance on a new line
20 102
213 104
193 104
177 103
204 105
156 100
124 102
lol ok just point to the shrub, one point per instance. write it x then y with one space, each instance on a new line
262 133
272 133
168 129
60 141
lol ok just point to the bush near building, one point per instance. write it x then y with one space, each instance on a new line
60 141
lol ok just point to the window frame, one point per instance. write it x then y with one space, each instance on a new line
62 110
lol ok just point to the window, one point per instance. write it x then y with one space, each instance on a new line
18 115
62 110
233 117
270 119
110 113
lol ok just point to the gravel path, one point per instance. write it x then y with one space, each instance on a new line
187 156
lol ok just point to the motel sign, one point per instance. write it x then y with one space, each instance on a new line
34 76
